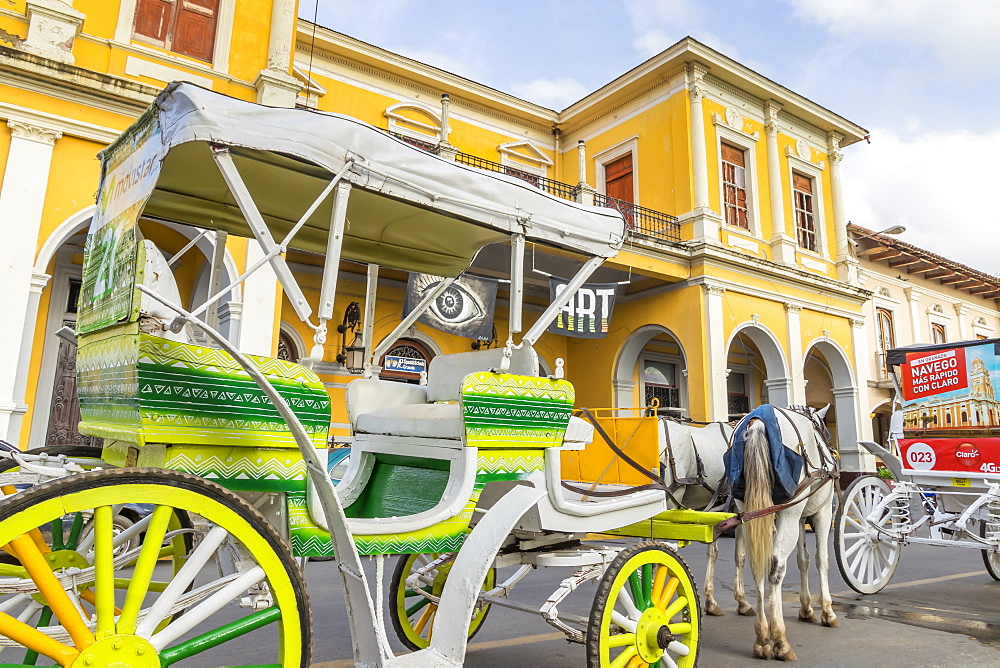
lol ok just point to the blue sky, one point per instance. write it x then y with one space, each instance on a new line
921 75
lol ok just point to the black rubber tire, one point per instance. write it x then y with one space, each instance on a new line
992 563
399 580
838 536
115 477
603 592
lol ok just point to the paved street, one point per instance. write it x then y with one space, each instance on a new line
940 610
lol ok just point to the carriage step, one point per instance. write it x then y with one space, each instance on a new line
680 525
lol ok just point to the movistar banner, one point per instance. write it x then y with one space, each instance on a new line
588 313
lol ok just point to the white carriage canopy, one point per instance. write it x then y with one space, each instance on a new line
409 209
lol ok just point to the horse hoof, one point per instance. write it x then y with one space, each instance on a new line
746 610
787 655
714 610
829 619
807 616
762 651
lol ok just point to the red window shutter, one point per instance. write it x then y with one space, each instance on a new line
152 18
618 179
195 32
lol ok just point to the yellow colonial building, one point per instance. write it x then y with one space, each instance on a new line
736 286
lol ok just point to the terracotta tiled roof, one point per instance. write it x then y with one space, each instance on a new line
900 255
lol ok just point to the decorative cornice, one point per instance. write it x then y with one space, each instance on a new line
67 126
35 133
792 307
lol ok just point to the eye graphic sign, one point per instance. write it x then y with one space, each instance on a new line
588 313
465 309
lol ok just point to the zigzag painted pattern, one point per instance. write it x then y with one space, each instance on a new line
518 464
155 350
519 386
394 545
239 468
312 546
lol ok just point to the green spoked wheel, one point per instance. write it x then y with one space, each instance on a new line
411 613
645 611
101 606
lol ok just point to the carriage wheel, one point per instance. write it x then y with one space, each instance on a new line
866 558
413 615
645 611
108 607
990 558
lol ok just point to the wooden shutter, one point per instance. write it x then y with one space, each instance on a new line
618 179
734 155
153 18
195 32
802 183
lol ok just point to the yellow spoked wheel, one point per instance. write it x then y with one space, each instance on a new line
160 602
412 614
645 611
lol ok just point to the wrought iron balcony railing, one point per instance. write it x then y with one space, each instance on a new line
643 221
557 188
739 405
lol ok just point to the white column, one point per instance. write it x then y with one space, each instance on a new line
795 362
275 86
914 295
22 196
715 341
705 222
862 374
699 150
848 434
847 264
38 283
260 307
962 310
584 191
782 244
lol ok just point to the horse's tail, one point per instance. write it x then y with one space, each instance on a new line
759 477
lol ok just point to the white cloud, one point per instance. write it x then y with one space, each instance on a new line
938 184
551 93
958 33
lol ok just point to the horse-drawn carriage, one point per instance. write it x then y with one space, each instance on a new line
461 476
944 460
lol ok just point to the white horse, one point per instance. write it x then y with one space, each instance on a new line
772 537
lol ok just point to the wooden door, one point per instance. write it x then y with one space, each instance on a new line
64 411
618 185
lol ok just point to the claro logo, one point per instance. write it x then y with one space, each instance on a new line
967 454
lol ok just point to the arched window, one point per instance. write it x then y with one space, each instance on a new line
287 348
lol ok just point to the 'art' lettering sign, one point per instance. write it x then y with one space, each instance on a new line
936 373
588 313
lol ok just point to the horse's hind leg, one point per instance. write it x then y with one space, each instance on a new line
762 645
739 591
806 613
785 537
711 605
821 526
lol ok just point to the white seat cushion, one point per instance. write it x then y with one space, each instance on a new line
417 420
579 431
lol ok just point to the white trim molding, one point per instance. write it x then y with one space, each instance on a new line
748 144
612 153
424 131
526 156
62 124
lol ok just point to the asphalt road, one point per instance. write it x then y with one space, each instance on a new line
941 609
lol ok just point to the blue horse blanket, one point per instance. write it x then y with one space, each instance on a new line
786 462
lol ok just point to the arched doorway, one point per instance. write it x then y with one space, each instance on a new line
756 371
405 360
829 380
652 365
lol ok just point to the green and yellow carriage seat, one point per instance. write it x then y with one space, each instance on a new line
159 399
